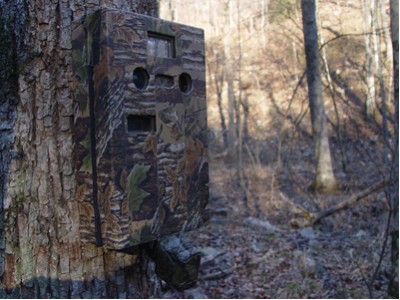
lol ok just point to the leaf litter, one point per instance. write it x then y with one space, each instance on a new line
261 255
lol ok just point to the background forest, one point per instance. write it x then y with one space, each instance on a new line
262 157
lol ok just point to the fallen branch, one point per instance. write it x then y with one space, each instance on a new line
311 218
217 275
263 224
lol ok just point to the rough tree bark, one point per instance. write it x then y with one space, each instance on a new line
325 180
41 254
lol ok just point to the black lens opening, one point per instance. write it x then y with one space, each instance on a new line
141 78
185 83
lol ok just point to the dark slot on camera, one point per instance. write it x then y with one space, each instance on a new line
141 123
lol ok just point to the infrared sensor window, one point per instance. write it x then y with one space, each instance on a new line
160 45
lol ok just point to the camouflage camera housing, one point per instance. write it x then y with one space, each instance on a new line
140 127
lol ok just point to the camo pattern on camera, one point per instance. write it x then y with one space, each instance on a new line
149 128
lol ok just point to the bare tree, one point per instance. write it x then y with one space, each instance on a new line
41 252
171 8
229 74
394 191
379 64
216 78
369 25
325 180
332 88
264 22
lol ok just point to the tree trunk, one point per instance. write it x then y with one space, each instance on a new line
325 180
240 124
263 24
216 81
394 191
232 125
388 54
382 93
41 253
221 115
171 8
370 102
331 87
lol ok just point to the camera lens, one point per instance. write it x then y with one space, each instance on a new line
140 78
185 83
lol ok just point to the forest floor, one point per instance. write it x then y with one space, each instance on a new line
257 252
